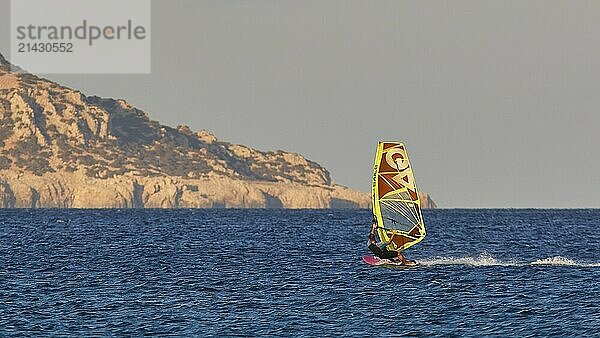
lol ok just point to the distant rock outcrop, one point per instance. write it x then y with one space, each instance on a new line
62 149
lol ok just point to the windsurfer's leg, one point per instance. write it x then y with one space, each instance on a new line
402 258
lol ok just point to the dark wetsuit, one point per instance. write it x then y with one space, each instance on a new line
382 252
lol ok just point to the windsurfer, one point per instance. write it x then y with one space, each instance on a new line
380 249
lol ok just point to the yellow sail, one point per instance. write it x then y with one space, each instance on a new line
396 203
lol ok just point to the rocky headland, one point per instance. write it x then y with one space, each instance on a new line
62 149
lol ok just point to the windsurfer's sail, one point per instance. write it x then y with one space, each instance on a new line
396 203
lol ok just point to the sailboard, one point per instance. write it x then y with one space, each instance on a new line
376 261
396 202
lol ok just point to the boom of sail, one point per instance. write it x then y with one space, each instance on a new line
396 202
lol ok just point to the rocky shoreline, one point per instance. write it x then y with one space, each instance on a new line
76 190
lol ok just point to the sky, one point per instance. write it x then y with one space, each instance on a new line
496 101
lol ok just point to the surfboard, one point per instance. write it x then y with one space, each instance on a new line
376 261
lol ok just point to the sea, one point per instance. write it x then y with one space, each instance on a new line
228 272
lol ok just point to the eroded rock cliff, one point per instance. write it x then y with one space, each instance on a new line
60 148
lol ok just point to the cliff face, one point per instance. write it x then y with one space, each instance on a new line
60 148
76 190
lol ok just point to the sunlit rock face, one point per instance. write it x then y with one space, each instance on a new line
60 148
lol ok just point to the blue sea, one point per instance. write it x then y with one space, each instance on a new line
296 273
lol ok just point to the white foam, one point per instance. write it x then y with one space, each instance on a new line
485 259
562 261
556 260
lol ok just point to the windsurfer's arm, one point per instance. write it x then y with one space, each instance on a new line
392 237
374 227
383 245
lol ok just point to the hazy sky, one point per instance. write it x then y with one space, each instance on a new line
497 102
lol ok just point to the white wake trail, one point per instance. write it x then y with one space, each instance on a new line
562 261
483 259
486 259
